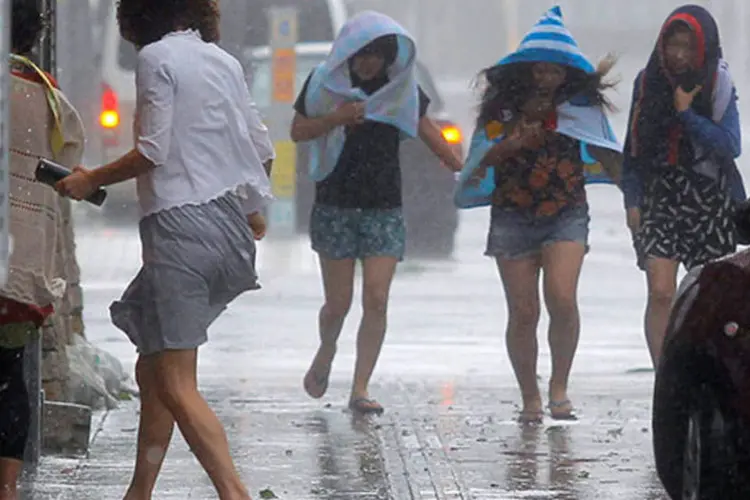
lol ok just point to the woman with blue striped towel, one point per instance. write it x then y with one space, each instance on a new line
541 135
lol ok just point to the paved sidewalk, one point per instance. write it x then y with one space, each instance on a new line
451 441
448 431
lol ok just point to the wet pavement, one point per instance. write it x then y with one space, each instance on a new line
449 430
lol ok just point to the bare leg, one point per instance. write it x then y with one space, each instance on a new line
338 284
562 263
154 432
521 282
377 278
199 425
661 275
10 471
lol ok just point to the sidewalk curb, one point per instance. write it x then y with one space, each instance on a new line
397 474
424 459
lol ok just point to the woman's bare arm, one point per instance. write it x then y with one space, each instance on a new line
432 136
131 165
611 162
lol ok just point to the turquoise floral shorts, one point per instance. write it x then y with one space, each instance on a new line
356 233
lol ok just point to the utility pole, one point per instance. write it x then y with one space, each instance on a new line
5 27
48 48
33 354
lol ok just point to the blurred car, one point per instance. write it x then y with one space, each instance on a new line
244 24
701 406
318 20
431 217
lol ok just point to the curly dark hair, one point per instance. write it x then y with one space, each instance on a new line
509 87
26 27
146 21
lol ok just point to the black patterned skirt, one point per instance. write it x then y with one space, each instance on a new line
686 217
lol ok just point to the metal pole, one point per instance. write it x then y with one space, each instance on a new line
5 26
33 353
48 48
33 375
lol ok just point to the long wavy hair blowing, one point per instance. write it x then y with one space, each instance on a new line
508 87
146 21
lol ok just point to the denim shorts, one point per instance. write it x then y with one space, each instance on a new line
516 235
357 233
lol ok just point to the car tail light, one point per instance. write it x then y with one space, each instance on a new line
109 119
110 114
452 134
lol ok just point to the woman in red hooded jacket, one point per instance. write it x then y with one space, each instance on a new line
679 177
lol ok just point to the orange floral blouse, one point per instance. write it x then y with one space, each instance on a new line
541 182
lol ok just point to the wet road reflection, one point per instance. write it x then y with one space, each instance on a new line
528 457
350 464
472 436
522 473
563 473
562 465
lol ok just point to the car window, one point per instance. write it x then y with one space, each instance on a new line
317 25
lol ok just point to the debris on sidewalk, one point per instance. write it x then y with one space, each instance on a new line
97 379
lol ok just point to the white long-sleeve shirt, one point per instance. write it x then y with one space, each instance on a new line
197 123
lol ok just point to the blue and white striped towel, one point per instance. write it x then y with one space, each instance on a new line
548 41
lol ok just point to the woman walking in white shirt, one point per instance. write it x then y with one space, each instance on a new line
199 165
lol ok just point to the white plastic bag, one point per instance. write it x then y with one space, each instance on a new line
96 378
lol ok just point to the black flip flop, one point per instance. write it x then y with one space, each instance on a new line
366 406
530 417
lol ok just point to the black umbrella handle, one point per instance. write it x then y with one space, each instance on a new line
50 173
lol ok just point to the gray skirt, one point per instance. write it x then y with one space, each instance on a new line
196 260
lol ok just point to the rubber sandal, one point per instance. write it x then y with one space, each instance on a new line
562 410
366 406
531 417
